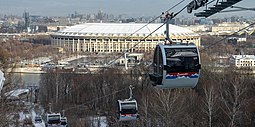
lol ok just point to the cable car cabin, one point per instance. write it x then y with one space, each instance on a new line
53 119
175 66
63 121
127 110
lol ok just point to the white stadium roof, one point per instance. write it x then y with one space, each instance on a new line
122 29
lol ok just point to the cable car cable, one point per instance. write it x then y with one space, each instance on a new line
155 30
238 9
244 28
90 101
146 36
135 44
150 33
155 19
143 27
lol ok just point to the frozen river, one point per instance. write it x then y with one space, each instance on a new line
28 79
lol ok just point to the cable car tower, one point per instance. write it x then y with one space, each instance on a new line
175 64
127 108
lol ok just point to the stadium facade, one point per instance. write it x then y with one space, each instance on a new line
117 37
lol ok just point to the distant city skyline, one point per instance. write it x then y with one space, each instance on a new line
131 8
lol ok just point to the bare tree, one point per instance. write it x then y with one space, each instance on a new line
167 106
7 108
234 87
209 95
210 102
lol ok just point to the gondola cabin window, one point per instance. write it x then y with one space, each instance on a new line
129 108
182 60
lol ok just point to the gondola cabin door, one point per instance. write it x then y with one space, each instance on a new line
157 66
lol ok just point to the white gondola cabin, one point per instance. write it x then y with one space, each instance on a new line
127 110
2 79
53 119
175 66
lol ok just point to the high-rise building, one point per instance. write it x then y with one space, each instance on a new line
26 19
100 15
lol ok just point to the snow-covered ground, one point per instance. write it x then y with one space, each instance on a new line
27 117
99 121
17 92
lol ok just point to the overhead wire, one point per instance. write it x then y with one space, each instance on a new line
95 99
211 2
161 26
90 101
244 28
238 9
115 92
142 40
143 27
154 19
135 44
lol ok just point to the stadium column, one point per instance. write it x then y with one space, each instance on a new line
131 45
102 47
89 45
94 45
84 45
139 47
78 45
68 44
146 45
57 43
118 43
125 45
73 48
112 45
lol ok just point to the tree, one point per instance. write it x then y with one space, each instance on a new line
233 93
210 102
209 96
167 107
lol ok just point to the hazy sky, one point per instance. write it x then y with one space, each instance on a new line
128 7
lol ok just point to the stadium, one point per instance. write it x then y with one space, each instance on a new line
118 37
